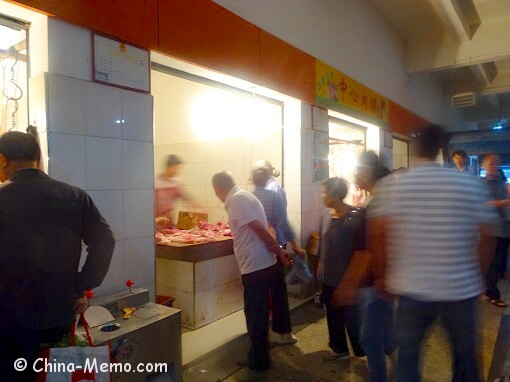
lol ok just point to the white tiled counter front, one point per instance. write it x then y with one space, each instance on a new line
204 279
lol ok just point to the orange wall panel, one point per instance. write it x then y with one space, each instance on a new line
401 120
286 69
204 33
129 20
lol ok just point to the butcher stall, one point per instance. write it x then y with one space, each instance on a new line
197 266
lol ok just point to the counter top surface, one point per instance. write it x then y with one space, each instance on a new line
127 326
196 252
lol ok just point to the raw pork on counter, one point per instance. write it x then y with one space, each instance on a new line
204 233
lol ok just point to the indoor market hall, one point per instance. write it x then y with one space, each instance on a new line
236 190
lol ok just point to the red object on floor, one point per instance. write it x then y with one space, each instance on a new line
165 300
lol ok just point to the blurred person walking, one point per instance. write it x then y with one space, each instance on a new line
265 171
356 287
500 200
276 217
342 236
168 190
432 245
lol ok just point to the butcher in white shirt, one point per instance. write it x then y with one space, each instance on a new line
256 252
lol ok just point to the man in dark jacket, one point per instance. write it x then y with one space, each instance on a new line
42 225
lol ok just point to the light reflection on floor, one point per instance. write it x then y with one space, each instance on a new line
303 362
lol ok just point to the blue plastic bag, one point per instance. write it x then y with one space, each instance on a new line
300 272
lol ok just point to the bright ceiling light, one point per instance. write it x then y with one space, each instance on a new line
218 114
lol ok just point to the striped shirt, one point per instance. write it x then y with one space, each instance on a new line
272 205
284 232
433 220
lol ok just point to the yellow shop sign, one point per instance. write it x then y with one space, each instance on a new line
335 88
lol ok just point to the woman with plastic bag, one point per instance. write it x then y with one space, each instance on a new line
341 237
356 287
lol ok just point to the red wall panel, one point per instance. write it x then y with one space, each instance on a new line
286 69
401 120
129 20
204 33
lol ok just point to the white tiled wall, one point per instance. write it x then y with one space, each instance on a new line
65 104
90 146
218 302
137 157
212 273
116 273
136 111
139 262
111 205
175 274
138 213
69 50
205 291
311 203
104 111
103 163
175 133
67 159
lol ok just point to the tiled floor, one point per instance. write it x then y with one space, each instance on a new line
303 362
202 341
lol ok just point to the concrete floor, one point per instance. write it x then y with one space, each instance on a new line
218 333
303 361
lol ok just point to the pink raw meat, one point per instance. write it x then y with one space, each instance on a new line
170 231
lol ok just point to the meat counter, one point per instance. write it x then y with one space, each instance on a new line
204 279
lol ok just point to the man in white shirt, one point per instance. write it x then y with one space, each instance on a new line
255 250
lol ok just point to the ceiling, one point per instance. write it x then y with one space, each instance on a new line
462 43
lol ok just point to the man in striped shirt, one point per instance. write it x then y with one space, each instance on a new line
430 232
276 215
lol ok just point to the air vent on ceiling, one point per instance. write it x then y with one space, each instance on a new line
463 99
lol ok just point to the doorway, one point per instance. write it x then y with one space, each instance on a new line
347 141
400 154
13 74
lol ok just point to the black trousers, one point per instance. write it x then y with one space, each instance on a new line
502 248
339 319
22 343
459 318
496 269
257 288
280 303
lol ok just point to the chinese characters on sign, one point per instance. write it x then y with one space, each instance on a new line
335 87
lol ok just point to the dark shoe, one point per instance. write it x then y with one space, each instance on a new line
334 356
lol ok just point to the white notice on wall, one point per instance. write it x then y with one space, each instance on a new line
120 64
